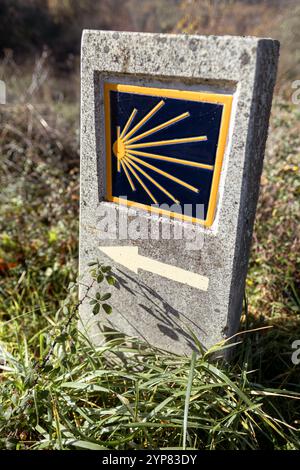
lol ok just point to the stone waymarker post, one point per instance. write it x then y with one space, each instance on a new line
173 132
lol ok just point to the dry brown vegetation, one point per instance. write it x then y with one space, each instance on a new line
275 18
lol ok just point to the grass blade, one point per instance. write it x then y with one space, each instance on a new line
187 399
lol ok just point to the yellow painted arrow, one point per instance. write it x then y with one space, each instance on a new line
129 257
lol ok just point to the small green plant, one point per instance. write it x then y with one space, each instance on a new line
101 273
66 334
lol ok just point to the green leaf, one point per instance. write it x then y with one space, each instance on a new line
96 309
111 280
100 278
93 263
187 399
105 269
42 431
98 296
86 386
29 379
43 394
61 338
107 308
93 302
10 443
86 445
105 297
65 310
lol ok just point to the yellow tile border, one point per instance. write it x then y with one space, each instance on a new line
218 98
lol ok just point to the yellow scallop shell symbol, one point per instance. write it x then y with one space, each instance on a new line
130 154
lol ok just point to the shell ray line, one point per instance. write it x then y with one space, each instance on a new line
118 137
158 128
172 159
152 180
128 175
144 120
159 143
161 172
140 181
128 123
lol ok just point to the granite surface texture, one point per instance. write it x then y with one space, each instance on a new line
159 310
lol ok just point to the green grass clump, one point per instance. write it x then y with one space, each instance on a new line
123 396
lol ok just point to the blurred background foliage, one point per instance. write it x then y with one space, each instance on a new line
30 26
